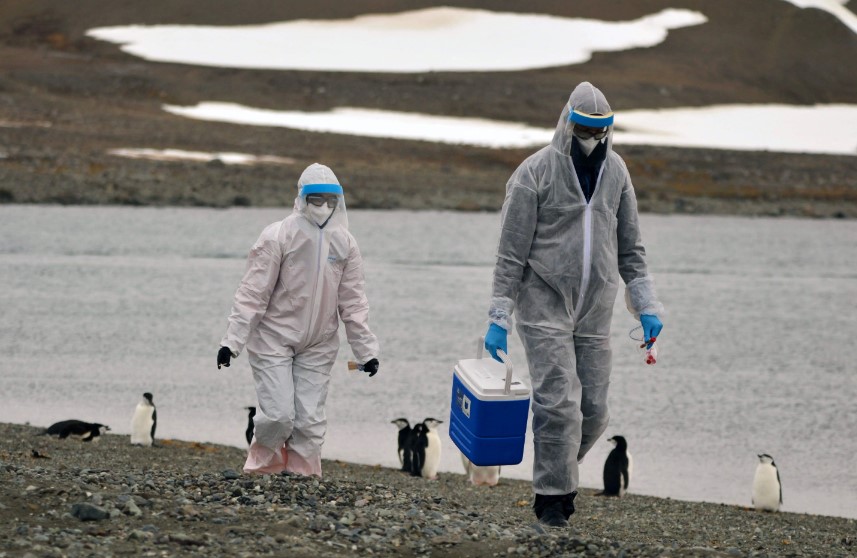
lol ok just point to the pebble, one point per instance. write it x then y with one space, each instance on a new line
354 511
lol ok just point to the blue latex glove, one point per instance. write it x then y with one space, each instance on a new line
652 327
496 339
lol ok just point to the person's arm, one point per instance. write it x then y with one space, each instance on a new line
254 291
640 296
518 218
354 308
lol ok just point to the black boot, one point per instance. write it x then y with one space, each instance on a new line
554 510
568 504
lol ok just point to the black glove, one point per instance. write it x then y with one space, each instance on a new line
223 356
371 367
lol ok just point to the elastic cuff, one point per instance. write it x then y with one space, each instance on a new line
640 297
500 312
231 347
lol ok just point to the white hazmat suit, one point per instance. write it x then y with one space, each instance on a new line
303 275
557 264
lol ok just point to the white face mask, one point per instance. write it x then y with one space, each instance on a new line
319 214
587 145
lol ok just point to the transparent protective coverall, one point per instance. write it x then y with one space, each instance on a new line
557 265
303 274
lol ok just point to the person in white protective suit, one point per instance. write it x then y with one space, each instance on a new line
304 274
569 223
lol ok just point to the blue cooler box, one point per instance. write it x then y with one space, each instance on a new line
490 406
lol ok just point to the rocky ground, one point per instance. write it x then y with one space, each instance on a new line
66 99
108 498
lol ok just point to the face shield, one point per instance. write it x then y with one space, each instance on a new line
590 129
321 201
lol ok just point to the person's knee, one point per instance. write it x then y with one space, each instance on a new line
594 407
560 424
594 425
280 417
311 429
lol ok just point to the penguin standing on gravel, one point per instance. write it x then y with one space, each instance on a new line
617 468
767 490
431 448
144 422
416 447
488 475
405 444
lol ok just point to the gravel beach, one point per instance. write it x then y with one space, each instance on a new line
180 498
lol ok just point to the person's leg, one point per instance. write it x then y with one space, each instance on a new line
275 414
556 393
594 361
546 327
311 372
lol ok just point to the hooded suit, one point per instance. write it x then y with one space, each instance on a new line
302 277
560 256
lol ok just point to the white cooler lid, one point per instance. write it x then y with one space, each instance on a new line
486 379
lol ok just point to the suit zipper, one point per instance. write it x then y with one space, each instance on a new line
587 247
313 312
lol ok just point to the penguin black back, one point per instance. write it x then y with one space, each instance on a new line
251 412
616 475
87 431
148 397
404 443
418 444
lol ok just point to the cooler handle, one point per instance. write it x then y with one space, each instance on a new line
503 357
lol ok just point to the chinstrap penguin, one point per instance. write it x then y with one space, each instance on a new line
478 475
617 468
767 489
144 422
86 431
416 447
431 449
405 443
251 412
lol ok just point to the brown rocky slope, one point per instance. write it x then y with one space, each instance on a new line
65 99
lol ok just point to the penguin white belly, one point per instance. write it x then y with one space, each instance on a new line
141 425
766 488
432 461
468 465
487 475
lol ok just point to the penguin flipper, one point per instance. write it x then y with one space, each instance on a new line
779 483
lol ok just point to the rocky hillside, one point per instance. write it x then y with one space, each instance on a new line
65 99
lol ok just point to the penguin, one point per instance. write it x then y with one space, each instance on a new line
144 421
86 431
431 449
617 468
488 475
405 443
767 489
417 442
250 424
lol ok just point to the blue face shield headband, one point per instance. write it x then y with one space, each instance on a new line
320 189
591 120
